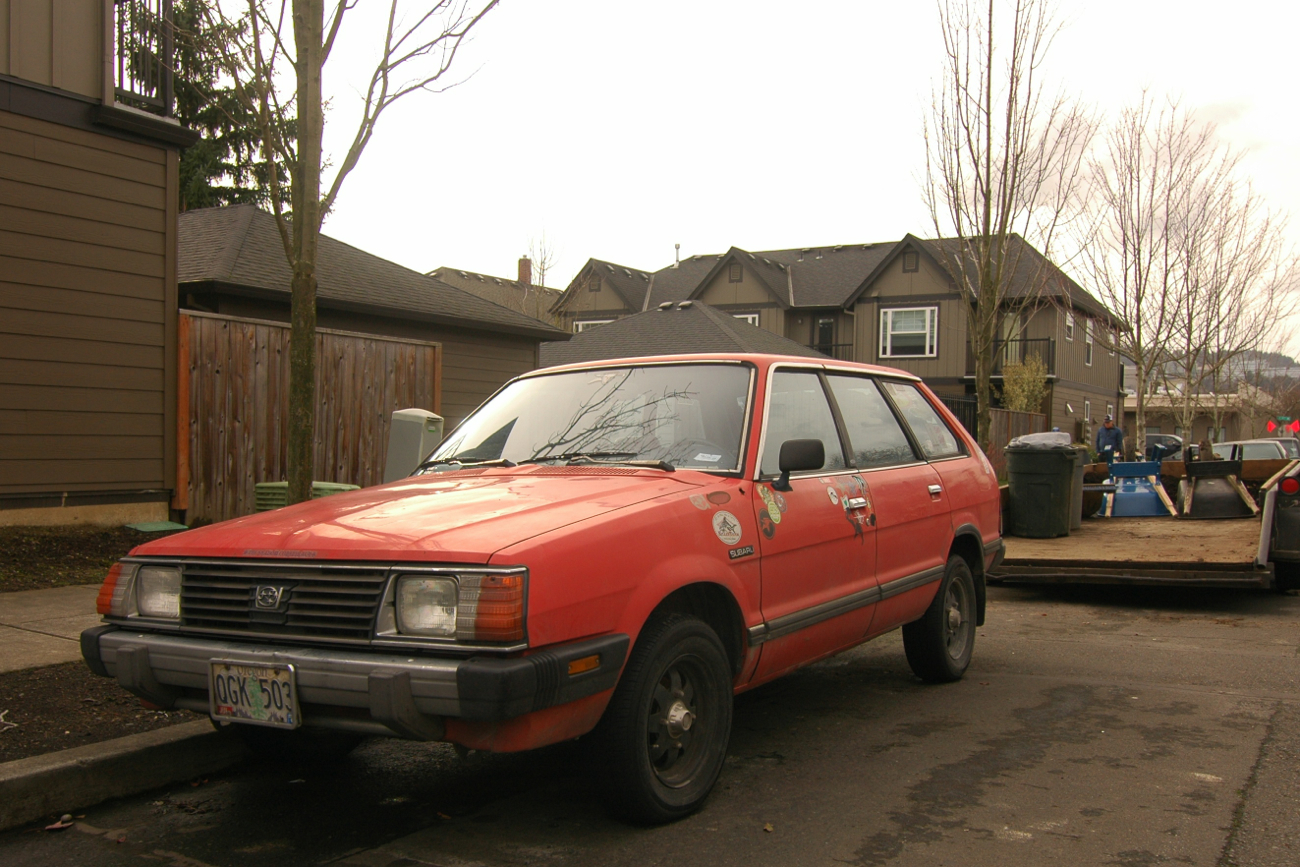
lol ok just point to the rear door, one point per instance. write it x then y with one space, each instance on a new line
817 540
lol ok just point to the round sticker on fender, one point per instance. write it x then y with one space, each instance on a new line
726 527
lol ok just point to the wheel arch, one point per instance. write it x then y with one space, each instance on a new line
968 544
716 606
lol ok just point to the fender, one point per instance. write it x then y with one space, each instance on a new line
981 591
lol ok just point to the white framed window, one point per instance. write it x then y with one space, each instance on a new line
909 332
1087 342
582 325
1069 325
1110 410
1112 340
751 318
1087 412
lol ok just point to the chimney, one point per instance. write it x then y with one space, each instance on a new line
525 271
677 255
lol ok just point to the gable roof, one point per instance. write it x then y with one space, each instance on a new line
238 248
690 326
1034 273
527 298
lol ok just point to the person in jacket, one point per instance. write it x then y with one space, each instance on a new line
1110 441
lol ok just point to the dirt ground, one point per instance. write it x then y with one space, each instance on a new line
32 558
62 706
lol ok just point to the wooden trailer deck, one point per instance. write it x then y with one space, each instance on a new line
1205 553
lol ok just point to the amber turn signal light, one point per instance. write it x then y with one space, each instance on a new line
500 613
104 602
587 663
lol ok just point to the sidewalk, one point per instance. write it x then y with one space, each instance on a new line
43 627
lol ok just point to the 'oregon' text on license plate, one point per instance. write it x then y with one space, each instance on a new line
262 694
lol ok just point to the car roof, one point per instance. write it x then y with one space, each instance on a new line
761 359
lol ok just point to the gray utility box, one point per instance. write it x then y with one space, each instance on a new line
413 434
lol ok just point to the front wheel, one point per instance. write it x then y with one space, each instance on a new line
666 729
940 644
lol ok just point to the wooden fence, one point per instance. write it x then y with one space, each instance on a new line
1004 426
234 378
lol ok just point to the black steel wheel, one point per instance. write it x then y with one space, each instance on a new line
940 644
666 729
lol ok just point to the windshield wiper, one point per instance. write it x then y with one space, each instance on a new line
493 462
572 458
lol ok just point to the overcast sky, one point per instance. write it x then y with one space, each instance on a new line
621 128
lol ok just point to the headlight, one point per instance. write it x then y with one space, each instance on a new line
158 592
427 606
467 607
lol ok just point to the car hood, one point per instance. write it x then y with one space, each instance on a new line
462 516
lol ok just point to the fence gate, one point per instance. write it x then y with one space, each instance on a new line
234 380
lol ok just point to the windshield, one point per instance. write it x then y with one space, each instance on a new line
689 415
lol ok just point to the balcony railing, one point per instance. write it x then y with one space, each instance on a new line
1006 351
142 54
837 351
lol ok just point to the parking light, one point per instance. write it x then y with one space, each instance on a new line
114 592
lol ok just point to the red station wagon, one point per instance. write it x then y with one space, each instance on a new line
619 546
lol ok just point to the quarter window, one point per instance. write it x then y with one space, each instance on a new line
875 437
908 332
797 410
932 434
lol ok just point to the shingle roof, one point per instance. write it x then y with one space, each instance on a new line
239 246
529 299
1034 275
696 327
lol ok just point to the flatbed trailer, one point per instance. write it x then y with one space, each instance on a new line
1159 551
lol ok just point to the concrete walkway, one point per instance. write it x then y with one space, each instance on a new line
43 627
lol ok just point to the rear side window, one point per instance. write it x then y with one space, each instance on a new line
874 432
798 410
933 436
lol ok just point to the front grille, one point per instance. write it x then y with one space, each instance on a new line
323 603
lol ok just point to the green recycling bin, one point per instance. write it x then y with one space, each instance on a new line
1041 481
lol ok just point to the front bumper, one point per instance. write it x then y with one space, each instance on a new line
360 690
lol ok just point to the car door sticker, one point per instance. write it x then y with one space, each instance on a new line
765 523
860 518
773 511
726 527
835 498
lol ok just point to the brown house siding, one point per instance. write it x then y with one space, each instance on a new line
87 312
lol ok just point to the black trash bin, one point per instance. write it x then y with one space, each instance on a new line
1041 477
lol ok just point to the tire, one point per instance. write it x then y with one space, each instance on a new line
295 746
664 735
940 644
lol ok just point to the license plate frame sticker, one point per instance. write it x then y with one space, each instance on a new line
265 695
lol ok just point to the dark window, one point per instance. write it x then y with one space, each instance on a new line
736 274
824 334
911 260
932 435
594 286
798 410
875 436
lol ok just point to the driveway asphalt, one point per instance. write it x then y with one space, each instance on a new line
1096 725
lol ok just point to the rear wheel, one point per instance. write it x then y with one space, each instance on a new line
940 644
665 732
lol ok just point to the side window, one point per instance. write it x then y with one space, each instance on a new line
934 437
874 433
798 411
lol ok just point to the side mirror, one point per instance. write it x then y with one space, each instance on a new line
796 456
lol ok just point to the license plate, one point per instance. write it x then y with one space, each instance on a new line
259 694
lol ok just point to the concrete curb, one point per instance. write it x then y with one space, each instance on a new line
68 780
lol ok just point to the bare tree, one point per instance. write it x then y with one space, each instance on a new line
1142 185
543 254
276 63
1002 159
1234 283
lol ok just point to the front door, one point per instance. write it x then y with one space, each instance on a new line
818 540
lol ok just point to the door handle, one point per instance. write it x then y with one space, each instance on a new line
857 502
935 490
